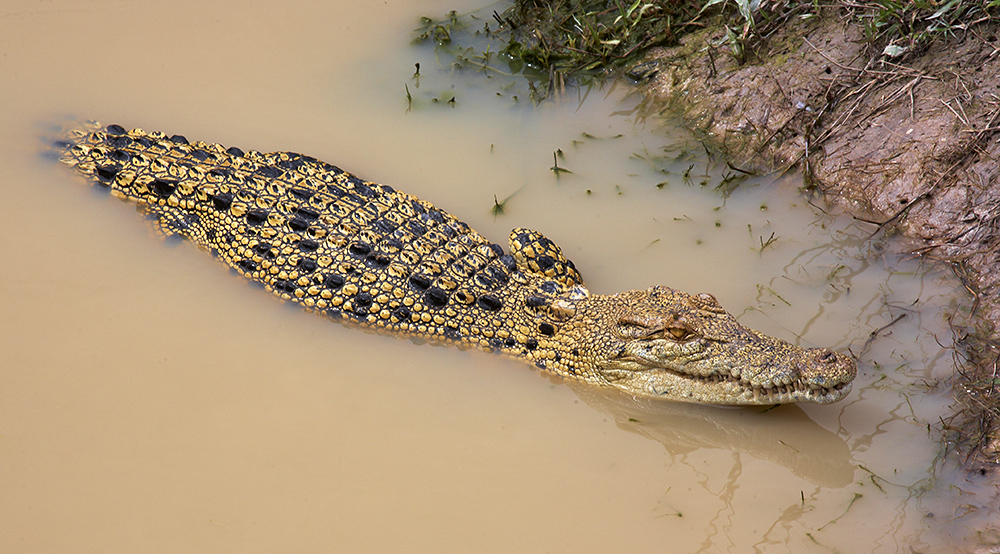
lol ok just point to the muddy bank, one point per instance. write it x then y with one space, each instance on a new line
908 143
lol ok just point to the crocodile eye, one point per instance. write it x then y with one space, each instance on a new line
679 333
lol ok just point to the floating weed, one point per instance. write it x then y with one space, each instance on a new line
555 164
500 206
687 175
769 242
730 182
761 289
857 496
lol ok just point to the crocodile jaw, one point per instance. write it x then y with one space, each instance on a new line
696 372
728 391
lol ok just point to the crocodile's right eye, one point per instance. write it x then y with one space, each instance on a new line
679 333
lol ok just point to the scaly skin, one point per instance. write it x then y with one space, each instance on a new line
367 255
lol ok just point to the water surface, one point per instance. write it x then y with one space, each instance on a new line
152 401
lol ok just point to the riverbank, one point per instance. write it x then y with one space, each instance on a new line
908 143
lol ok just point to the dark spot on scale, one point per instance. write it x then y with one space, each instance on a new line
496 343
508 261
420 282
531 344
416 227
298 224
540 364
334 281
535 301
359 249
546 329
402 313
105 174
283 285
219 172
222 201
144 142
247 265
233 151
558 357
118 142
489 302
359 186
385 227
497 274
292 163
308 245
256 217
178 139
264 249
452 334
199 155
576 351
550 287
164 188
436 297
115 129
301 194
545 262
363 299
334 313
120 156
307 214
306 265
378 260
508 342
269 171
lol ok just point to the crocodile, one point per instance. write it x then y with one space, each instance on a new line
370 256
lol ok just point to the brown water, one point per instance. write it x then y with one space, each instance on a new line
151 401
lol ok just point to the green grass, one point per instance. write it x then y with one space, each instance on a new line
556 44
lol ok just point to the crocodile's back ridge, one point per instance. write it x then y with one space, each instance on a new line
311 232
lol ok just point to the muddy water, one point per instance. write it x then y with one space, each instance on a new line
151 401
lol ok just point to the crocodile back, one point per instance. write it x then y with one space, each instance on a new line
310 232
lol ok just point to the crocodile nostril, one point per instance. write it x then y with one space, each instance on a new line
826 357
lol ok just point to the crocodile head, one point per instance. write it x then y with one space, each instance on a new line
669 344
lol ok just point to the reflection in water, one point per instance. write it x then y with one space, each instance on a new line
784 435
